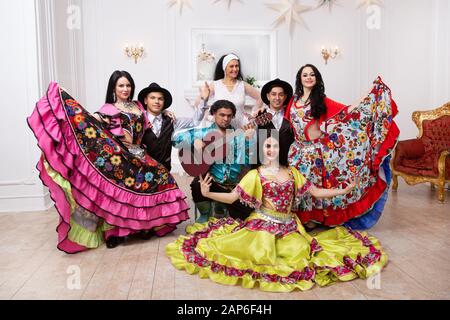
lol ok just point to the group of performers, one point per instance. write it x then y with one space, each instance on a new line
317 162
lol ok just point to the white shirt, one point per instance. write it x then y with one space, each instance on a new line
277 117
237 95
156 122
180 123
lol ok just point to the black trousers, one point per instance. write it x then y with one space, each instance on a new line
237 210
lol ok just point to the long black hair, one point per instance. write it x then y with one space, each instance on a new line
317 96
261 136
116 75
220 73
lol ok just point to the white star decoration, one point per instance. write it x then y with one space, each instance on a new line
229 2
290 11
366 3
180 4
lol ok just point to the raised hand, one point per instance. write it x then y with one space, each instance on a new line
205 184
170 114
205 91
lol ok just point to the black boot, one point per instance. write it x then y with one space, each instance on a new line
113 242
146 234
204 209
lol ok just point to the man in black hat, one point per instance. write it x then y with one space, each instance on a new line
276 95
158 137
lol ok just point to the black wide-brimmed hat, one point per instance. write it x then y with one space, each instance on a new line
154 87
276 83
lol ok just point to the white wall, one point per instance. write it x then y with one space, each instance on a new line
41 49
415 57
69 50
107 26
20 188
411 52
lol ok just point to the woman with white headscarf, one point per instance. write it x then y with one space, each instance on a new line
229 85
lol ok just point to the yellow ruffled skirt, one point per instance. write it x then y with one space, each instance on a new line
275 257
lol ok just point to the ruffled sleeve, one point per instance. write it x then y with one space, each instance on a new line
333 108
250 189
301 184
112 115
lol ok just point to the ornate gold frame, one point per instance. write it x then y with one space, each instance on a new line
418 117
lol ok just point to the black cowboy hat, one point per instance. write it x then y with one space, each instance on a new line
276 83
154 87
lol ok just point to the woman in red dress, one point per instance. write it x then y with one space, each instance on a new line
334 142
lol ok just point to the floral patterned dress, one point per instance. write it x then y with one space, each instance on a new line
271 249
99 187
356 143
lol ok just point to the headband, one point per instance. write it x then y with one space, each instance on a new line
227 60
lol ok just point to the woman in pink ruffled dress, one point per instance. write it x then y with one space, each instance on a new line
105 187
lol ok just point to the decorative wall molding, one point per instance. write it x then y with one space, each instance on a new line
31 181
25 204
33 61
250 34
45 23
31 196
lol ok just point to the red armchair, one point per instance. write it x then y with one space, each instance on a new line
427 158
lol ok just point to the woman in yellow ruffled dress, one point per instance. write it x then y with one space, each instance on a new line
271 249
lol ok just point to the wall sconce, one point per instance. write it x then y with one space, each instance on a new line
134 51
327 54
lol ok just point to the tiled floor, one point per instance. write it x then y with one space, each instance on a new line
414 229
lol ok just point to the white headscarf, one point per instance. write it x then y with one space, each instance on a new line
227 60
